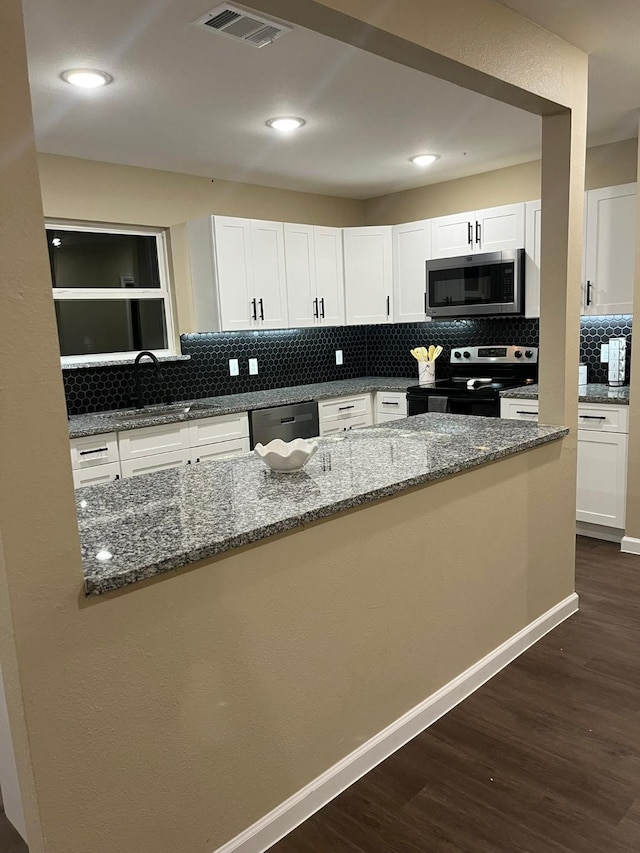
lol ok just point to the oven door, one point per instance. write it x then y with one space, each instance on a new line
488 407
473 285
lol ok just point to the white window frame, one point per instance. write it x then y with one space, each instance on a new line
84 293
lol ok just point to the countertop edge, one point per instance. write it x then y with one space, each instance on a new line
103 585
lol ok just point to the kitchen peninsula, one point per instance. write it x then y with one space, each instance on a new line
139 528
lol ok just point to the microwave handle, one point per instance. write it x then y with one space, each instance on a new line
426 307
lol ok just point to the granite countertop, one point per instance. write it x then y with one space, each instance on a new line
140 527
592 393
117 421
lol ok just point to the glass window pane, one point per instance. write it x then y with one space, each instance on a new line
89 326
93 259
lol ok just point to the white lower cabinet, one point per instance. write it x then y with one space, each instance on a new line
155 462
344 413
601 488
390 406
602 478
96 475
102 458
152 441
220 449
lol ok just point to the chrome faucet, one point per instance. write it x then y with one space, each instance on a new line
136 371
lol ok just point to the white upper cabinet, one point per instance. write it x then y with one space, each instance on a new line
609 250
368 275
237 274
329 275
234 264
411 251
495 229
533 221
270 283
315 279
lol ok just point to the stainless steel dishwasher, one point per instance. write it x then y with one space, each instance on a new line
285 422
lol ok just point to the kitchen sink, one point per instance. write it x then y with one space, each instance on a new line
156 412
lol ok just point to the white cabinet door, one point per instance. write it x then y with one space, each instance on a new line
329 272
610 250
390 405
234 270
221 449
150 441
270 287
500 229
158 462
453 235
96 475
221 428
533 221
368 275
301 275
411 250
602 476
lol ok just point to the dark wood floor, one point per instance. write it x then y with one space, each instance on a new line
545 758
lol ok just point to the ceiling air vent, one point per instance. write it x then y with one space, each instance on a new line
248 27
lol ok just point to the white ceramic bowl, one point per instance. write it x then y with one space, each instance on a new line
286 456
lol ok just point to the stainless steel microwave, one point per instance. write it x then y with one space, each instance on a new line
475 285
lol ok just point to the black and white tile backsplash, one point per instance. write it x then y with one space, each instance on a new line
301 356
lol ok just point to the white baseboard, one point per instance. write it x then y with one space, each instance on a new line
599 531
292 812
629 545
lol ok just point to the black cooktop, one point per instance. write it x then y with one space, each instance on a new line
458 387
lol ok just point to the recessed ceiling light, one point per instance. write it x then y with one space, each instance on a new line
424 159
286 123
86 78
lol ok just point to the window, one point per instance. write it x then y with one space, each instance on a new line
111 292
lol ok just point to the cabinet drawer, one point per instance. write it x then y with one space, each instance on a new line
96 475
344 407
338 425
150 441
391 402
220 449
604 418
385 417
94 450
523 410
155 462
220 428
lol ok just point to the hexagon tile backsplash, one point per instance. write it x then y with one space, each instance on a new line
300 356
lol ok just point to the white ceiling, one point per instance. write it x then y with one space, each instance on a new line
189 100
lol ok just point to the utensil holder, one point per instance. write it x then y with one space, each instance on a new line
426 372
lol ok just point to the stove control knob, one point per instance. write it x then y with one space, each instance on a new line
467 354
528 354
518 354
457 354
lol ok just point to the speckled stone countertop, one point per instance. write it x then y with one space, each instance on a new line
119 420
592 393
140 527
116 362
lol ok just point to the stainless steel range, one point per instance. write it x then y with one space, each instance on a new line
478 375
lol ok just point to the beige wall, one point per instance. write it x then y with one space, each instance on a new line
633 469
607 166
168 717
126 195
